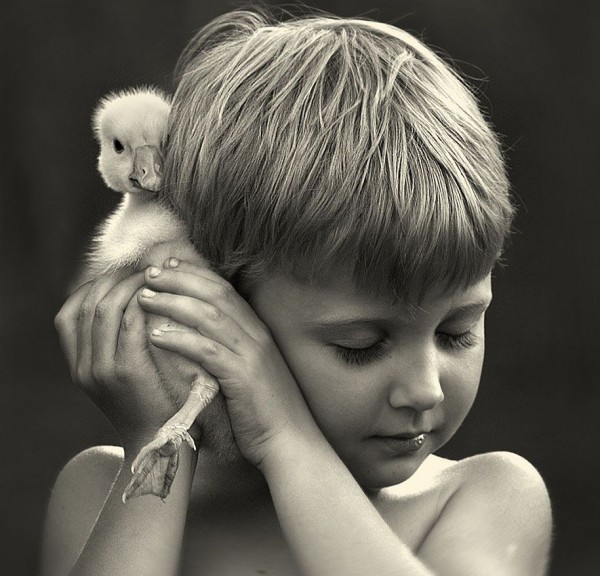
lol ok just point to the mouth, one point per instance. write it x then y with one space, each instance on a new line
403 444
407 435
137 188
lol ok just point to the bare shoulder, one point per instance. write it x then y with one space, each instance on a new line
76 501
510 478
496 508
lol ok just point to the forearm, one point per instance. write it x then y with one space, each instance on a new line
327 519
144 535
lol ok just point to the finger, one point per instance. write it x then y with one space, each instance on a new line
133 332
87 316
201 316
66 322
193 281
192 268
111 314
215 358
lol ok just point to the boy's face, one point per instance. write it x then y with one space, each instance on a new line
387 384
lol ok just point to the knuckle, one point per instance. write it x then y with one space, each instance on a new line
124 372
210 349
101 310
99 371
263 337
60 320
86 310
225 291
213 313
82 376
96 292
101 283
127 321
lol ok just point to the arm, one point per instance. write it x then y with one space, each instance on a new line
497 523
328 520
88 530
75 503
102 332
503 511
143 536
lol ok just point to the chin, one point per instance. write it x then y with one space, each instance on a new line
376 475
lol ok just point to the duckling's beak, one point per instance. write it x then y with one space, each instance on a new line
147 168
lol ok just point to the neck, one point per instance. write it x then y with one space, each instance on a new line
132 200
232 479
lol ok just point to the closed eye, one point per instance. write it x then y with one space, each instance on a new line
461 341
360 356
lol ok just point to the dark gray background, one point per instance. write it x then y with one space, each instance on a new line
538 68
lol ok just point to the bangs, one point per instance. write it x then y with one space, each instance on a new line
323 144
400 237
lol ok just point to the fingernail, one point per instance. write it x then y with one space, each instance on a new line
157 332
147 293
153 271
173 262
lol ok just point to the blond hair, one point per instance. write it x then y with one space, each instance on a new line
299 145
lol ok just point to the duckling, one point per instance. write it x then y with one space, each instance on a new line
131 128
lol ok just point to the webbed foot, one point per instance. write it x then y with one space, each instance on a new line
155 466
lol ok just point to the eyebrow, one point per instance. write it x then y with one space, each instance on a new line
473 308
362 321
346 322
480 304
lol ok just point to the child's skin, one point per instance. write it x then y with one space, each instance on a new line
319 489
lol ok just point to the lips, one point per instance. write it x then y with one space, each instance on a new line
402 444
405 435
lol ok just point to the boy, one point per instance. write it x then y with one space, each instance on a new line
352 202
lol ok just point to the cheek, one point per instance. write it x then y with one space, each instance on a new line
338 400
460 384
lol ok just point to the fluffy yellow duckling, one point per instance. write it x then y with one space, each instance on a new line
131 128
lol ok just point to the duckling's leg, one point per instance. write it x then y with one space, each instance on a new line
155 466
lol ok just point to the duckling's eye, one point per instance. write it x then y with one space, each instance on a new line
118 146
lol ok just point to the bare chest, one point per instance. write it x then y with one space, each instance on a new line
246 539
237 539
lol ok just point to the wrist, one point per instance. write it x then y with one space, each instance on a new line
295 447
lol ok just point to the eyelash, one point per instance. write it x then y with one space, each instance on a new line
458 341
361 356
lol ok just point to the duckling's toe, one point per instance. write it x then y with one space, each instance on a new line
155 466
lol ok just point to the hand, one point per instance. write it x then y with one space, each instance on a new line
102 331
264 402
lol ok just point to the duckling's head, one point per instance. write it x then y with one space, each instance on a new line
131 127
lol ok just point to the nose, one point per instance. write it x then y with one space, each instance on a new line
416 383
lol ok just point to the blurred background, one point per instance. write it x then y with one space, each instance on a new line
537 67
